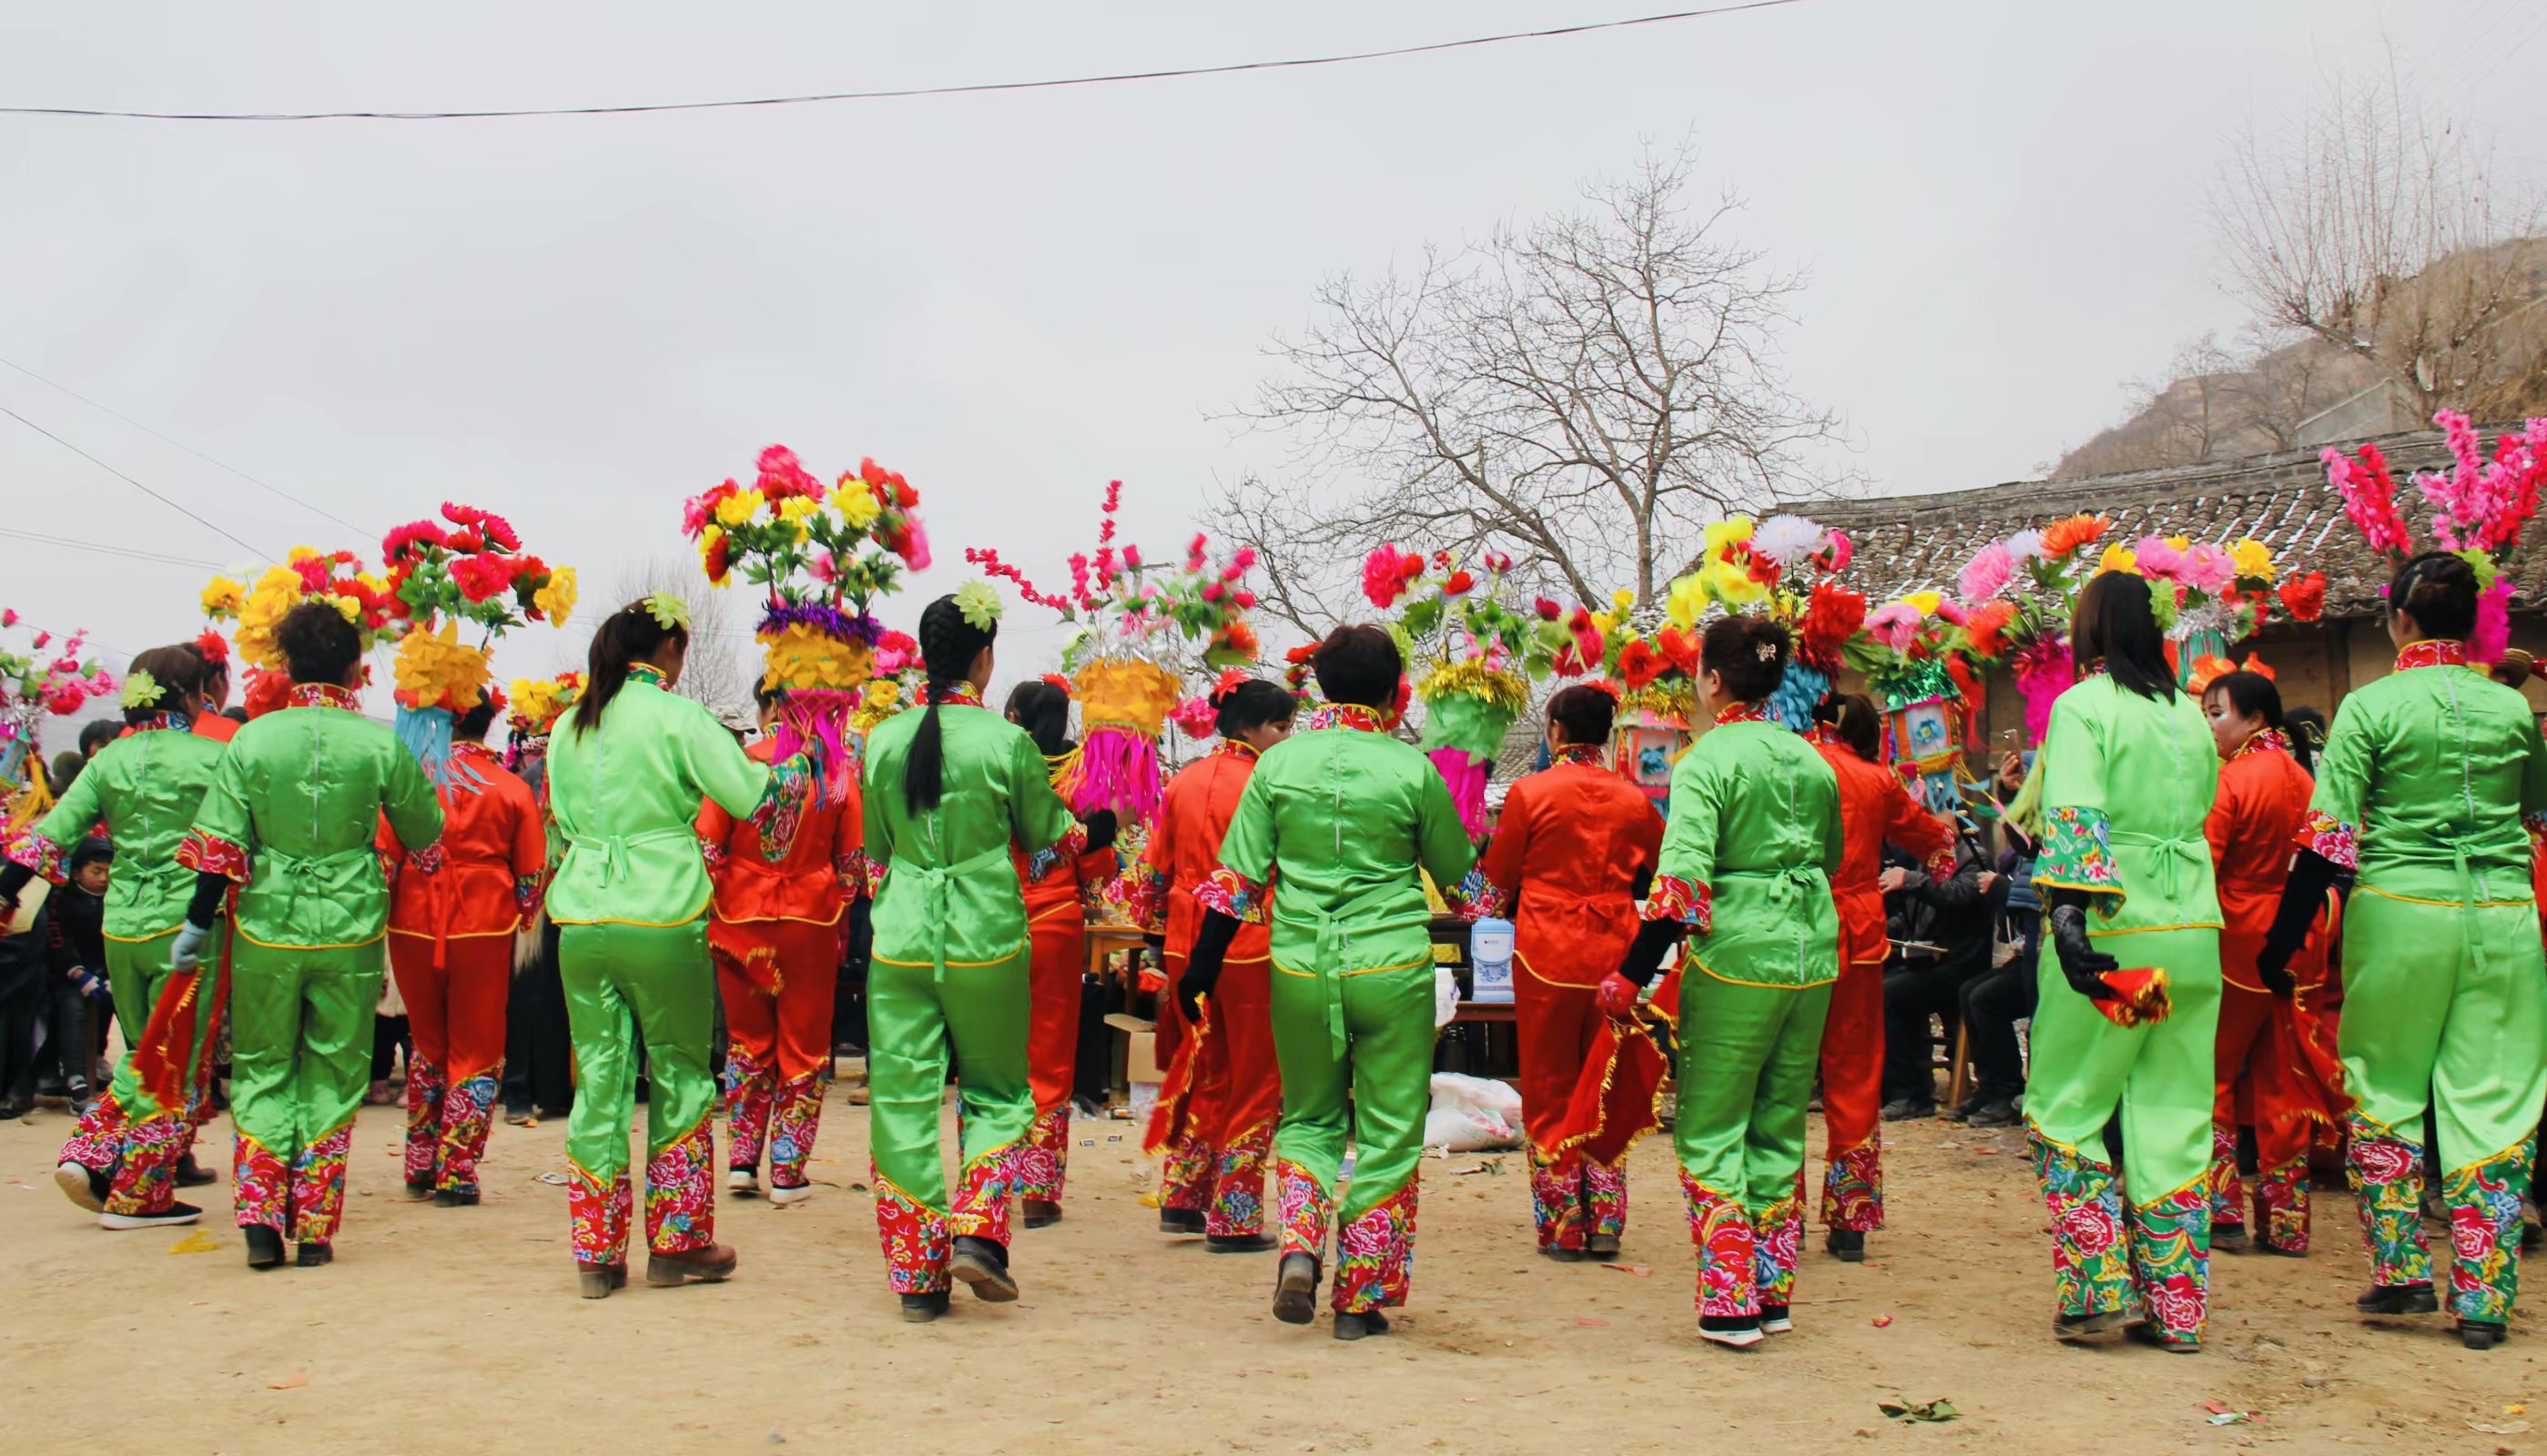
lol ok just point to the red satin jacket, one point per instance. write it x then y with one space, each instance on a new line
1573 840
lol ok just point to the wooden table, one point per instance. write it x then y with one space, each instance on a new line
1105 941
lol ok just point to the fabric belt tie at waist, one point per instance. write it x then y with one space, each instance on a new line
1790 888
1328 959
937 885
2175 854
614 848
297 870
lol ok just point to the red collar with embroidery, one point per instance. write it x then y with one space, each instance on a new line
1234 748
2264 740
957 694
1587 755
2093 670
325 695
2437 652
1821 734
1348 715
171 721
1742 712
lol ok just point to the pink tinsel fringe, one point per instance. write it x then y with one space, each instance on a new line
2493 621
821 718
1466 773
1118 769
2043 672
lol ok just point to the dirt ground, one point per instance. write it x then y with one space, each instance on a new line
457 1330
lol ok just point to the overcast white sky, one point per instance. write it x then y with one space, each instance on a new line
1015 298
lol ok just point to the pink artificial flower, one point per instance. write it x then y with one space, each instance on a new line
9 617
43 638
1894 625
1988 574
1195 552
1835 553
2208 568
1213 591
1950 612
826 568
1384 575
1131 558
918 557
1242 599
1243 560
2158 559
2493 633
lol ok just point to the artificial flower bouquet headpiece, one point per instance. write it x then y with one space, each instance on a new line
466 568
307 575
1143 626
823 557
2480 508
45 675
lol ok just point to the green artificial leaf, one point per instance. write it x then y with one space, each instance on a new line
1422 618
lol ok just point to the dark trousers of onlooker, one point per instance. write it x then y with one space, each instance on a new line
539 1055
22 1010
1913 990
849 998
1993 1005
390 1038
67 1051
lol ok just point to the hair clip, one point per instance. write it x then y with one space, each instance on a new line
980 603
141 690
668 610
1768 651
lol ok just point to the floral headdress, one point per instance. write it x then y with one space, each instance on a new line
823 557
2481 507
1784 569
45 676
1473 659
539 702
308 574
471 570
1143 626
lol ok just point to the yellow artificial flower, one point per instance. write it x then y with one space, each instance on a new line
738 508
1621 602
299 553
1724 533
224 597
2252 558
2180 543
376 585
1925 601
1687 598
798 507
557 599
1606 623
1728 582
351 607
2119 558
858 503
434 669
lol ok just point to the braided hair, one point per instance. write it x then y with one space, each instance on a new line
2438 590
947 647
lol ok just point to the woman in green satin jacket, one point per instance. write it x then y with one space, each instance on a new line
1749 847
949 791
626 774
2432 787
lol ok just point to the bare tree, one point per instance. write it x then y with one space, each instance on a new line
2376 226
720 670
1584 391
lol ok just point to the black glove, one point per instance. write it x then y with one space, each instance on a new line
2311 874
1655 940
2080 960
211 889
1203 963
12 878
1155 940
1102 829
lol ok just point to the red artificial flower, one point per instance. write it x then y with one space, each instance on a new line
402 540
214 648
1397 705
499 531
1240 639
1984 629
715 560
461 515
1056 680
480 577
1638 664
1386 572
1832 615
467 541
2305 596
1459 584
312 572
783 476
1547 610
1679 648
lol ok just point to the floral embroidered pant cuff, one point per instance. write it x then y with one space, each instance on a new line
921 1018
778 982
300 1060
456 1013
622 982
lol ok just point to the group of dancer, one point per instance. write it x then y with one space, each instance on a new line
2195 877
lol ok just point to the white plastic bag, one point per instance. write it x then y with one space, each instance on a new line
1472 1114
1446 997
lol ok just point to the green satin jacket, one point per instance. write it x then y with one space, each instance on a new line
149 789
2127 788
625 798
1749 848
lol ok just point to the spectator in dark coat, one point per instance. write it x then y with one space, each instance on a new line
1941 932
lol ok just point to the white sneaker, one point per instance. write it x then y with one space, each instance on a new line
81 1186
1740 1339
742 1182
1776 1324
174 1215
784 1196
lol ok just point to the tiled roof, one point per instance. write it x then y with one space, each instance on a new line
1917 543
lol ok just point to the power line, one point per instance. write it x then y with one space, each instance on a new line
131 553
901 93
128 481
189 449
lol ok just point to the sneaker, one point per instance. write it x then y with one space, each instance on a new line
780 1195
742 1182
1734 1333
172 1216
1776 1320
83 1185
1994 1114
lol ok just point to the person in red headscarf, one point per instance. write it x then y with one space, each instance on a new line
1875 809
454 906
1223 1093
1572 854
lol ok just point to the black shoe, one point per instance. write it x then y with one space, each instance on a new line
2088 1326
1776 1320
1902 1109
1238 1243
83 1185
921 1308
2230 1239
985 1266
1998 1113
420 1191
1561 1255
597 1281
175 1215
1041 1212
2142 1332
264 1246
314 1255
2397 1299
1848 1245
1295 1288
192 1174
2480 1335
461 1197
1355 1327
1180 1221
1601 1245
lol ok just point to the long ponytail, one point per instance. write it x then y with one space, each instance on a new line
628 636
947 647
